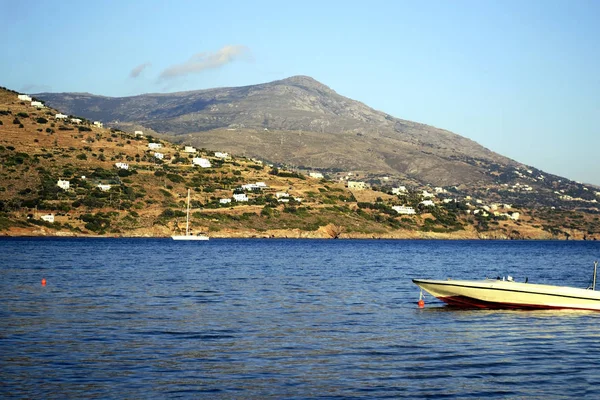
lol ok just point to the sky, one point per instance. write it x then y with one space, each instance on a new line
519 77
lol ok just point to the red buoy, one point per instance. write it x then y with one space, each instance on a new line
421 303
43 281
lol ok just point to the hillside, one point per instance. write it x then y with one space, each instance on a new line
297 121
39 149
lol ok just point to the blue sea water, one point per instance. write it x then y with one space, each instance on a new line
155 318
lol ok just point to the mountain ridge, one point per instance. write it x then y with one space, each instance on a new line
377 141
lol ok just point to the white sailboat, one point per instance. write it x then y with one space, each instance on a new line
187 235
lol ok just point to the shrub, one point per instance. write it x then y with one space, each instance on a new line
23 115
41 120
16 121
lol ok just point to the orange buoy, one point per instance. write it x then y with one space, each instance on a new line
43 281
421 303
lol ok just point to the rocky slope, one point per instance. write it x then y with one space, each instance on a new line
297 121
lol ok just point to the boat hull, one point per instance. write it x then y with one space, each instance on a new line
189 237
491 293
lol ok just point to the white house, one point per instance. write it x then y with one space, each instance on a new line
138 133
427 203
37 104
159 156
48 218
254 186
122 165
515 216
219 154
189 149
279 195
427 195
357 185
60 116
202 162
76 120
105 187
98 124
154 146
240 197
225 201
316 175
404 210
399 190
24 97
63 184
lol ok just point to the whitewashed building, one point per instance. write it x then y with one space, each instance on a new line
24 97
202 162
427 203
316 175
60 116
37 104
357 185
240 197
189 149
138 133
280 195
98 124
76 120
225 201
48 218
159 156
63 184
405 210
122 165
399 190
105 187
219 154
154 146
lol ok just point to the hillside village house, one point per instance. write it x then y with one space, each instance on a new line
427 203
254 186
98 124
24 97
63 184
189 149
60 116
37 104
405 210
316 175
279 195
105 187
138 133
357 185
76 120
399 190
240 197
225 201
202 162
154 146
48 218
219 154
159 156
122 165
427 195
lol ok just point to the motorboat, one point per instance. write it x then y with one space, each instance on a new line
188 235
507 293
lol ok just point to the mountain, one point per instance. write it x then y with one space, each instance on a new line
114 183
297 121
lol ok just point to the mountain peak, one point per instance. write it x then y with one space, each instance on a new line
304 81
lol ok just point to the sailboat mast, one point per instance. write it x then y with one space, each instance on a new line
187 216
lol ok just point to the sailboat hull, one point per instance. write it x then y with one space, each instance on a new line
189 237
492 293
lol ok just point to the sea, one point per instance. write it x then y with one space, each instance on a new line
286 319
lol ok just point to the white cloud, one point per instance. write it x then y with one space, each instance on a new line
138 70
203 61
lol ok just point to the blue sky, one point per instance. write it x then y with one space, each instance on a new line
519 77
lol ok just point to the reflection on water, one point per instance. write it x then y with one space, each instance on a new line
271 318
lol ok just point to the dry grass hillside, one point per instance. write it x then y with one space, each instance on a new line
147 199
